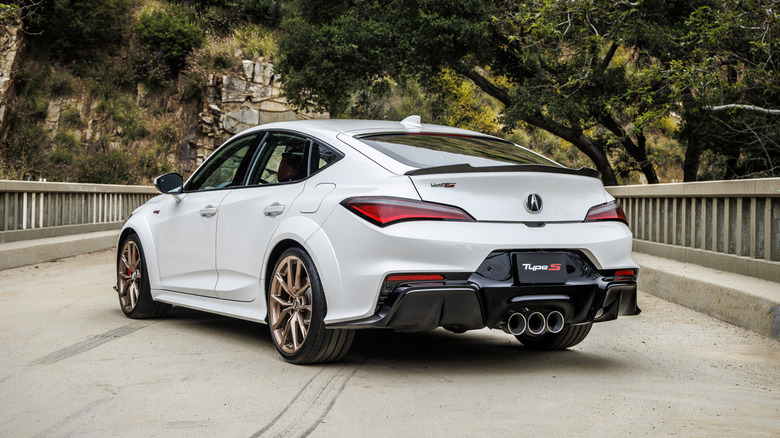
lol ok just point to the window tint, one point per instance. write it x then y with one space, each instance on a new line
226 167
426 150
322 157
282 159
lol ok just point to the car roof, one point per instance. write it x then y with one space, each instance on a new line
333 127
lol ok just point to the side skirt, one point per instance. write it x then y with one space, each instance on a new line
254 311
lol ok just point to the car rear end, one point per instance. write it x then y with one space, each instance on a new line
498 237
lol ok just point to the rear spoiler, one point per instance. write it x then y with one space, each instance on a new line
468 168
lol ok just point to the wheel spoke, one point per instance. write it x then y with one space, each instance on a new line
279 320
302 324
124 260
132 293
282 283
290 274
286 332
279 300
294 330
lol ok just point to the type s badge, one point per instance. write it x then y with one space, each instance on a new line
540 267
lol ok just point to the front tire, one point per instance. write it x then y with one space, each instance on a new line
570 336
296 313
135 297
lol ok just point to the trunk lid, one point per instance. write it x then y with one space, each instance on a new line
499 194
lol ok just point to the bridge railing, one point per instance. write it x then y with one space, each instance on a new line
727 225
34 210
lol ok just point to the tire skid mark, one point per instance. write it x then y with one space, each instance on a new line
311 404
91 343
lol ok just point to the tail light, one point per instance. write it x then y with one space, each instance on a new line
606 212
384 211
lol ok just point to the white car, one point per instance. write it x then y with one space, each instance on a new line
319 228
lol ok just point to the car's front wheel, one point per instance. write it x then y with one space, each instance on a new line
570 336
296 313
135 297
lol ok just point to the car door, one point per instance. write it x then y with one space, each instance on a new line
250 215
186 233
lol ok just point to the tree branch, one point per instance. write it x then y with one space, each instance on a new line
774 112
486 86
608 58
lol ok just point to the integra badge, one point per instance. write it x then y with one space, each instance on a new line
447 185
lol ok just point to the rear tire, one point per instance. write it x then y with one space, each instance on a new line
296 313
135 297
570 336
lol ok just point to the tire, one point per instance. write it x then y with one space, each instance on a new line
570 336
135 298
296 313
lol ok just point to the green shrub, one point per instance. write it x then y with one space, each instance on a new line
171 32
66 141
106 167
255 42
74 29
71 117
60 83
124 112
166 133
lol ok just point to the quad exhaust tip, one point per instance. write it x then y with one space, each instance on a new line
554 322
536 323
516 324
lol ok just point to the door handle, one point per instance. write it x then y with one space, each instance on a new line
274 209
208 211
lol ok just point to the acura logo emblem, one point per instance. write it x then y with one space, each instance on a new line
533 203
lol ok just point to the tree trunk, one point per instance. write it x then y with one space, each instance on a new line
692 159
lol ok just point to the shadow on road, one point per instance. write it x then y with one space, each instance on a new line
475 352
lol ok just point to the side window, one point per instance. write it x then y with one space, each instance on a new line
227 167
282 159
322 157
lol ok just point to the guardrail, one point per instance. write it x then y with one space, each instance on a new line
35 210
727 225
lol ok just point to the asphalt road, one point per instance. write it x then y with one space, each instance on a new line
72 365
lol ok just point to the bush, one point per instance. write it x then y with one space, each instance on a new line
106 166
171 32
71 29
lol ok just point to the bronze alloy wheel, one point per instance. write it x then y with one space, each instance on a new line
130 275
290 304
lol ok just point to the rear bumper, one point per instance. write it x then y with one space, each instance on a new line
467 307
488 297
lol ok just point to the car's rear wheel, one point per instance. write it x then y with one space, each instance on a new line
296 313
135 297
570 336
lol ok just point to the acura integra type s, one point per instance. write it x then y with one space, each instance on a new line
319 228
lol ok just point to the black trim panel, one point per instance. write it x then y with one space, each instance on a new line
467 168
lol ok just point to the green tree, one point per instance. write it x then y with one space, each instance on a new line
595 73
69 29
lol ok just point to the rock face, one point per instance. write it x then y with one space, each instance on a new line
234 104
10 44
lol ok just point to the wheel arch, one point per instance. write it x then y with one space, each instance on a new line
141 228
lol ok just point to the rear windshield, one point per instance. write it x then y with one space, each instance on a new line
433 150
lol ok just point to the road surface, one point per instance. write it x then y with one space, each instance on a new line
72 365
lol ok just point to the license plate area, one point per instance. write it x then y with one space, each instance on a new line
540 267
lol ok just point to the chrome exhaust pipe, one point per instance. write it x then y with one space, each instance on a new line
516 324
554 322
536 323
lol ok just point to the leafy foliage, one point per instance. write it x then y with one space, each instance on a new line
598 74
73 29
171 32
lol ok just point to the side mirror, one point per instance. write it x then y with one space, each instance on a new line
169 184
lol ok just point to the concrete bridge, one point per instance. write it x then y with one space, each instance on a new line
710 246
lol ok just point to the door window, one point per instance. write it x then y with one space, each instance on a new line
227 167
282 159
